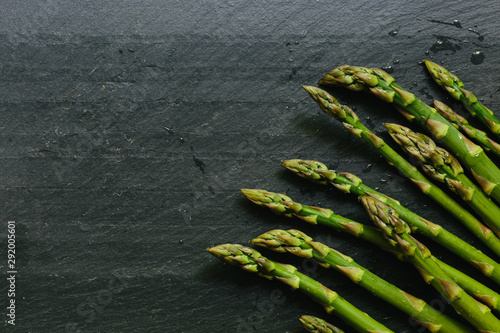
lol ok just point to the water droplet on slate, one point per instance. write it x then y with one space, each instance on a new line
395 62
388 69
457 24
477 58
479 36
393 33
369 121
367 168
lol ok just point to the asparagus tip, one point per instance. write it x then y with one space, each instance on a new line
318 325
431 66
395 128
312 91
309 169
263 197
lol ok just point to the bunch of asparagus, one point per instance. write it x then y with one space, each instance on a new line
396 229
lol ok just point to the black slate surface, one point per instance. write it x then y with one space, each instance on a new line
128 128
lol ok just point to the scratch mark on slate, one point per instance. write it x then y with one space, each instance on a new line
199 163
455 23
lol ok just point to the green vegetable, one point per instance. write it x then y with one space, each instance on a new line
299 244
399 233
285 206
463 125
318 325
350 183
383 86
252 261
352 123
440 165
455 87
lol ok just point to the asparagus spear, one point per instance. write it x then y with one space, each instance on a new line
455 87
283 205
383 86
298 243
252 261
399 233
350 183
352 123
318 325
463 125
442 166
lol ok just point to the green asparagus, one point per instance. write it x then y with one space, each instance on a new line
318 325
350 183
252 261
351 121
463 125
455 87
440 165
399 234
298 243
383 86
283 205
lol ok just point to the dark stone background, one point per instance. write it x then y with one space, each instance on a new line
127 129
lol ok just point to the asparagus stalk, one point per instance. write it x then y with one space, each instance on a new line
399 233
463 125
473 287
349 183
252 261
298 243
317 325
283 205
455 87
442 166
352 123
383 86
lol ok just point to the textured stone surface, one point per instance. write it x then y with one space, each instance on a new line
127 129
